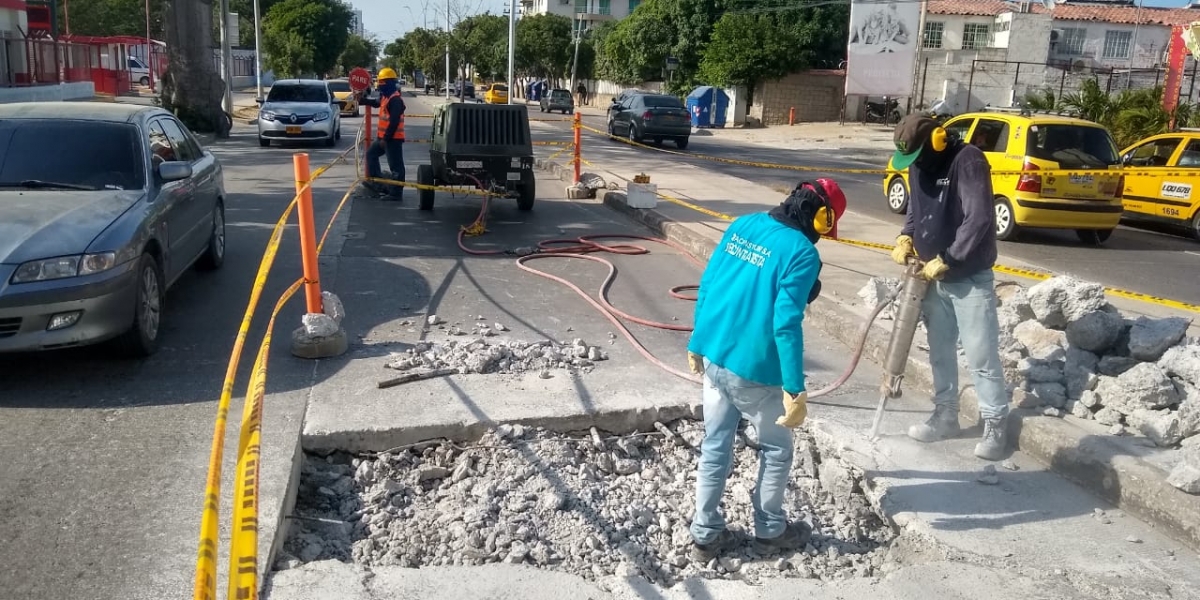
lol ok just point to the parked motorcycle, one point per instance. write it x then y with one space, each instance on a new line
886 112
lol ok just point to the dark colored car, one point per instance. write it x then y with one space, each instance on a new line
657 117
102 207
558 99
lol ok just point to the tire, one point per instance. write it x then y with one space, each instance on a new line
331 141
897 196
337 136
528 193
145 81
358 111
214 254
681 143
1006 219
1093 237
264 142
611 132
425 177
1196 226
141 340
633 135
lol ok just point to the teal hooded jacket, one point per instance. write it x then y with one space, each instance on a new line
752 299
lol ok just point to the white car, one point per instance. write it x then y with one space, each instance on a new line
299 109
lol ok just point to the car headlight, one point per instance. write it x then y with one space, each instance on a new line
64 266
266 115
321 116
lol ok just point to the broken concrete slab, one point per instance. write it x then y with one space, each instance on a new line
1145 386
1183 362
1059 300
1095 332
1150 338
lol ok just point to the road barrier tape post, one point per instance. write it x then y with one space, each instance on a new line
366 140
578 127
308 235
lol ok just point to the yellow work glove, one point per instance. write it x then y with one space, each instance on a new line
934 269
795 410
696 363
903 250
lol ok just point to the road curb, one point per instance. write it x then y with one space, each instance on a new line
1090 461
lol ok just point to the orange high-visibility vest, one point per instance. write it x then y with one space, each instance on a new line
385 119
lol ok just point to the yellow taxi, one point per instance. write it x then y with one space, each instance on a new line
496 93
340 88
1154 190
1017 140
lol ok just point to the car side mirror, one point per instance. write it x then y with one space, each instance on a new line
614 100
258 100
174 170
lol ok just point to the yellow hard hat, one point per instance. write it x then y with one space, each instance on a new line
386 73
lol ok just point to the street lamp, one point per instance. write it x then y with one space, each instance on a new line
512 44
448 31
257 52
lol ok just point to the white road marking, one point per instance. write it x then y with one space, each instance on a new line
1192 253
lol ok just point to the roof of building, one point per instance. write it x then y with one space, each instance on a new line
1127 15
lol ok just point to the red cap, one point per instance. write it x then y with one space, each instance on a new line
837 201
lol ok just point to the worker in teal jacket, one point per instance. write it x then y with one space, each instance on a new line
748 344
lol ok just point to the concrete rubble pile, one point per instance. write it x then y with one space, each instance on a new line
480 355
1067 350
583 504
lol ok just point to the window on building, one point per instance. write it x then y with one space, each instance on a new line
1070 43
633 4
1116 44
931 39
605 7
976 35
581 6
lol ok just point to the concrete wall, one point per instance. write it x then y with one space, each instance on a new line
1150 44
952 30
816 96
49 93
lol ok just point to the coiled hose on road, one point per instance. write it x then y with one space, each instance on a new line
583 248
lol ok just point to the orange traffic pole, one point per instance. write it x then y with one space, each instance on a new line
308 235
366 140
792 116
578 126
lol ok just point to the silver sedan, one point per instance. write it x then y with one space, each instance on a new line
102 207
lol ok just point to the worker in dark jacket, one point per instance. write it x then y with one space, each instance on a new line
389 138
749 346
950 227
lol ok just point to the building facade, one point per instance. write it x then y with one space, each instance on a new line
356 23
589 12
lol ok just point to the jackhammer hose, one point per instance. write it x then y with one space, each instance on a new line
583 247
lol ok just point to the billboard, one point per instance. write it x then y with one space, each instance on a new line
881 54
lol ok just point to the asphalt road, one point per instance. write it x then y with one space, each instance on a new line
1158 262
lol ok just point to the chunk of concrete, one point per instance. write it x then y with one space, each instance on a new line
1038 371
1050 394
1079 370
1090 399
1150 338
1161 426
1182 362
1145 386
1186 474
1039 338
1014 298
1095 332
1060 300
1189 412
1108 416
877 290
1113 366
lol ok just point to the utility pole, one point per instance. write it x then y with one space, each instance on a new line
448 30
512 46
257 51
149 48
226 58
578 30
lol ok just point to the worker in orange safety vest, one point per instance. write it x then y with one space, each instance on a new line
389 134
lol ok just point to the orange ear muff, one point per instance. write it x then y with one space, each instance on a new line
823 220
938 139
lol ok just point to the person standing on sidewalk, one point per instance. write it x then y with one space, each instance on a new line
389 138
748 345
950 226
581 90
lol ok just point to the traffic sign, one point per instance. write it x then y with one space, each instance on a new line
360 79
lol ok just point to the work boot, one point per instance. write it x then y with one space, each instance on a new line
942 424
794 537
702 553
995 439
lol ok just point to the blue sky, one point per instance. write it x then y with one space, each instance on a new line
389 19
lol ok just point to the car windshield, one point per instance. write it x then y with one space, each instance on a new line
297 93
339 86
662 101
93 155
560 95
499 88
1072 146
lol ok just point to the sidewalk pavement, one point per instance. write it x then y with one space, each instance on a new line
1128 471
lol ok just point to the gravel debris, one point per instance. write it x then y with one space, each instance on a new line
583 504
508 356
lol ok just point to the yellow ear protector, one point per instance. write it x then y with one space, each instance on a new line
823 216
939 139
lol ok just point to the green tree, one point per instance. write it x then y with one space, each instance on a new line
397 56
424 49
359 52
191 88
482 41
746 48
245 11
305 36
112 17
543 45
637 48
587 60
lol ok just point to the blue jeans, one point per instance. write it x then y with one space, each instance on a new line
394 149
727 398
966 310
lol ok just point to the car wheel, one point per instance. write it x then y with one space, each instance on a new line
633 134
144 81
1093 237
1196 226
214 255
612 133
425 177
264 142
897 196
337 136
331 141
141 340
1006 219
527 193
681 143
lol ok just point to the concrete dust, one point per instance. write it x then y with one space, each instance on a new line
482 356
585 505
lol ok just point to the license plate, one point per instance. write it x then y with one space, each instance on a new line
1083 179
293 130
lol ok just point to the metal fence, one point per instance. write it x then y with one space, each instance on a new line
39 62
243 66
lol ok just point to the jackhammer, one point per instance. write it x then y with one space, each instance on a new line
908 314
